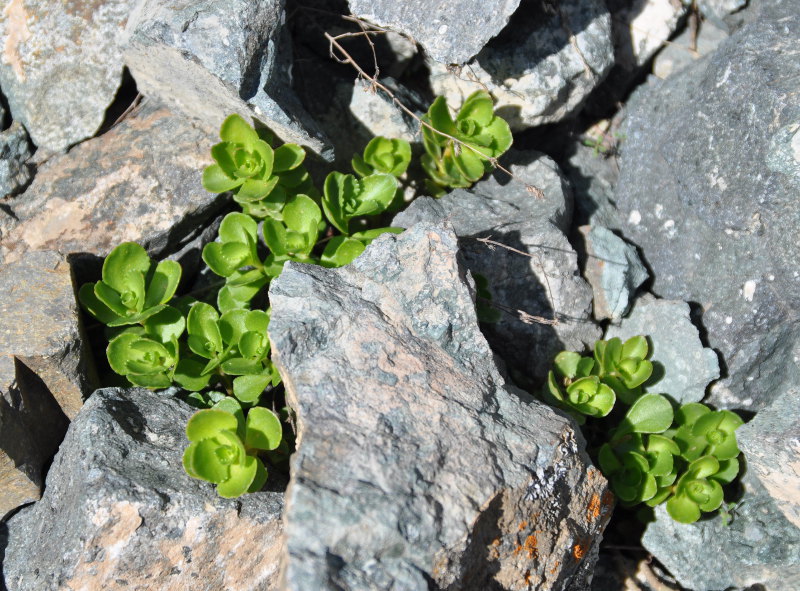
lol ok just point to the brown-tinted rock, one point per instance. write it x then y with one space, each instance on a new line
42 326
31 427
119 512
418 466
139 182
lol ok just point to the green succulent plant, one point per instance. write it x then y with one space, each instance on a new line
702 431
624 366
698 490
383 155
346 197
295 235
224 448
481 136
132 287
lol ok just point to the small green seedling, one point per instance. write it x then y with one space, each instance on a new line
224 448
383 155
476 137
346 197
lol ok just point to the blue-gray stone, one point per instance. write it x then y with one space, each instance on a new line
418 466
708 190
614 271
15 149
684 366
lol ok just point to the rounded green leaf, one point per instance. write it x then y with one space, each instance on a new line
651 413
165 325
264 430
682 509
635 347
479 107
240 478
728 470
260 479
238 366
248 389
154 381
232 325
274 233
92 304
237 227
201 324
208 423
189 375
376 194
215 180
204 461
237 131
566 363
118 352
163 283
230 405
288 157
253 345
439 118
257 320
340 251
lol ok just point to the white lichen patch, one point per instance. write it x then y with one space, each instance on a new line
749 290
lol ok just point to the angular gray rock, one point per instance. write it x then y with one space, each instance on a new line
759 546
771 443
143 185
119 511
614 271
687 48
546 283
717 10
684 367
31 428
451 31
43 328
61 66
708 190
417 465
214 58
15 149
593 177
541 68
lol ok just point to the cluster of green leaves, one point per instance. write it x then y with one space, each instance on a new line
466 146
219 351
659 451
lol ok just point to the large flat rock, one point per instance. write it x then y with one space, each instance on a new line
417 465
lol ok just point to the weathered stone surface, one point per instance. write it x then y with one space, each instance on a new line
119 511
614 271
143 185
759 546
451 31
219 57
379 115
684 366
61 66
717 10
542 67
416 464
687 48
31 427
15 149
716 214
642 27
771 443
546 284
43 327
593 177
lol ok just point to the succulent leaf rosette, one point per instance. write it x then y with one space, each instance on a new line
624 366
698 490
702 431
346 197
383 155
223 449
481 135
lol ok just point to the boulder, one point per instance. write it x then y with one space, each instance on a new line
451 31
541 68
771 443
614 271
31 428
708 189
754 544
61 66
687 48
417 465
43 328
119 511
215 58
683 368
143 185
541 280
15 149
642 27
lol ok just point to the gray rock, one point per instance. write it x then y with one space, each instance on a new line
642 27
684 367
143 185
119 511
614 271
540 69
43 328
379 115
716 214
417 466
593 177
759 546
545 284
717 10
451 31
771 443
687 48
61 66
15 149
31 428
214 58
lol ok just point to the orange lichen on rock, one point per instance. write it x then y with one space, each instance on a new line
530 546
579 550
593 510
523 525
